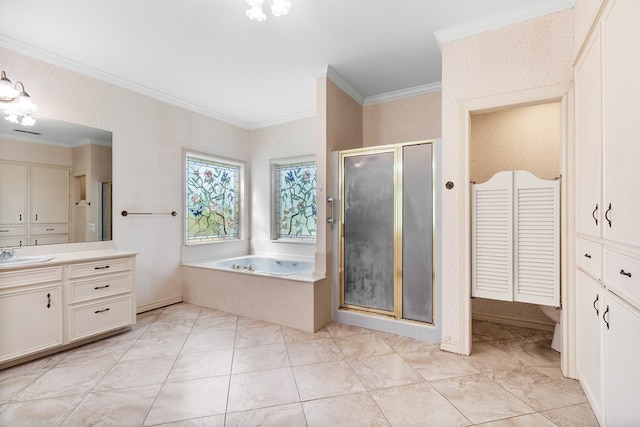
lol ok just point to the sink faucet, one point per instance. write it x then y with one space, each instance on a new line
8 253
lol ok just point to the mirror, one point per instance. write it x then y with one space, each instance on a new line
55 183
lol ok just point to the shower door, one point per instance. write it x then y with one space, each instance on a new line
386 245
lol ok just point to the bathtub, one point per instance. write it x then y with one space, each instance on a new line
277 290
270 266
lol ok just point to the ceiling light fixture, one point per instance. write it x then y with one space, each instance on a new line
278 8
16 102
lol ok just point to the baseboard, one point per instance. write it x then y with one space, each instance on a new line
450 347
158 304
532 324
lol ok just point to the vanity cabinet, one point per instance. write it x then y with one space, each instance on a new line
99 297
30 312
73 300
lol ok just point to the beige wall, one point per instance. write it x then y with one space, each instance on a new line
529 55
276 142
29 152
416 118
148 137
525 138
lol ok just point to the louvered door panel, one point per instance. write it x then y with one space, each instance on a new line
537 237
492 236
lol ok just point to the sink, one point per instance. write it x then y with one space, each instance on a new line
24 260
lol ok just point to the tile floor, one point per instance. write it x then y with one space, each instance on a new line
185 365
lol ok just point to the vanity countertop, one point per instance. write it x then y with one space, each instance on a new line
66 258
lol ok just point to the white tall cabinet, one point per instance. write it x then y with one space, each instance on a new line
34 204
607 154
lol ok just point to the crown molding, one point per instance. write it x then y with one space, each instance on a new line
403 93
66 63
502 19
328 72
282 120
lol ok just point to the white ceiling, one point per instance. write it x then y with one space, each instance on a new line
206 55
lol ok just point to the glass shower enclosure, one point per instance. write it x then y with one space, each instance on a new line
387 230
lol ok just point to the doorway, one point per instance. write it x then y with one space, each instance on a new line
564 95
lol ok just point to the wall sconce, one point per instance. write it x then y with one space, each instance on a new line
16 102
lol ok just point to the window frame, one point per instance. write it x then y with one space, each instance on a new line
274 165
241 205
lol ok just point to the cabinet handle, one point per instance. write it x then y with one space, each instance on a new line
624 273
593 214
48 300
100 268
101 287
36 217
594 305
606 215
20 217
587 256
605 317
4 231
50 229
101 311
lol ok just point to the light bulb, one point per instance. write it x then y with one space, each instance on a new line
280 7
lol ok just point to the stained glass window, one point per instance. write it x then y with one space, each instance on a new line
295 200
212 199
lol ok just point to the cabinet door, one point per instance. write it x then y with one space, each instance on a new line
621 87
589 309
13 193
588 131
30 321
49 195
622 371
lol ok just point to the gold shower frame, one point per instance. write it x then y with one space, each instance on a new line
396 149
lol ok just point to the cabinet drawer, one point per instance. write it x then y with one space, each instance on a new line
622 275
48 240
100 267
30 276
589 257
12 230
101 286
95 318
49 229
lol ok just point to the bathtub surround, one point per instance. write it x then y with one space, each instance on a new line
297 300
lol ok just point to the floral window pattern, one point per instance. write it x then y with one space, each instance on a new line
296 200
212 200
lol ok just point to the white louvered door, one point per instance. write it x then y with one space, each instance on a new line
492 225
516 239
536 276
